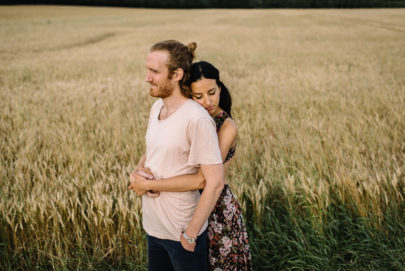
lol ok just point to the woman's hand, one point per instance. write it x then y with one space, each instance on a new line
139 179
138 183
186 245
144 172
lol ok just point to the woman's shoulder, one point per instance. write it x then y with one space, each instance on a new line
226 121
229 128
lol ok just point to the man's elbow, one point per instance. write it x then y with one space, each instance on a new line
214 177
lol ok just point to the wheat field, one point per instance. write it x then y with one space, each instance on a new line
319 99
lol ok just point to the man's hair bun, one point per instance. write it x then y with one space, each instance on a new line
192 46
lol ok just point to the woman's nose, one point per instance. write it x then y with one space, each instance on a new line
207 100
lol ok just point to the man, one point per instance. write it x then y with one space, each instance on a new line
180 138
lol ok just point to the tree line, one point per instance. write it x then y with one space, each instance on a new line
221 3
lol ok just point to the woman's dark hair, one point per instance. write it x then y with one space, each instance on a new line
206 70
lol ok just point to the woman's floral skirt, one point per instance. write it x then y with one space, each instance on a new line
228 239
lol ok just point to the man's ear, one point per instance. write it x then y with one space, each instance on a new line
178 74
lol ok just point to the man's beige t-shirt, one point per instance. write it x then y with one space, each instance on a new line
177 146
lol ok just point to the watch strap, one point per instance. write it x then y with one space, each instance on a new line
190 240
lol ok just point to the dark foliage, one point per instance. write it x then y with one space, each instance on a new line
221 3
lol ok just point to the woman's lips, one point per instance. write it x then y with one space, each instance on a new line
209 108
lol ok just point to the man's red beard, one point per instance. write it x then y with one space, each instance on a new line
163 91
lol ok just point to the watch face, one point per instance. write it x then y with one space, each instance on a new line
190 240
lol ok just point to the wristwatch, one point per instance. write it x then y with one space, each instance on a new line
190 240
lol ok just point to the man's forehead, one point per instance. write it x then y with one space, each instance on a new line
158 56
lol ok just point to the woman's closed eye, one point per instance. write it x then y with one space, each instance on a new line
199 96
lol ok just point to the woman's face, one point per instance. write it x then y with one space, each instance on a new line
206 93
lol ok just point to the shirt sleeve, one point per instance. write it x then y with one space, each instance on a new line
204 148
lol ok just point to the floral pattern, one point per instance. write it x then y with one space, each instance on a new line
228 239
227 235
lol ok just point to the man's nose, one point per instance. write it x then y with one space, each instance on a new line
148 78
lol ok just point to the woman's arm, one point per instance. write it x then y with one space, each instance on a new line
227 136
180 183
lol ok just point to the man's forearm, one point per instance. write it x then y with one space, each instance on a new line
214 176
207 203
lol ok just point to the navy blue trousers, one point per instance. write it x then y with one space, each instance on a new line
170 255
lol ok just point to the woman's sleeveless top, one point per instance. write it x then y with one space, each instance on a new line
219 120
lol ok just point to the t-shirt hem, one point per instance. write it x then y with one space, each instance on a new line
169 237
216 162
162 236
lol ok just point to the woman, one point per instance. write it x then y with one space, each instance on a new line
228 243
